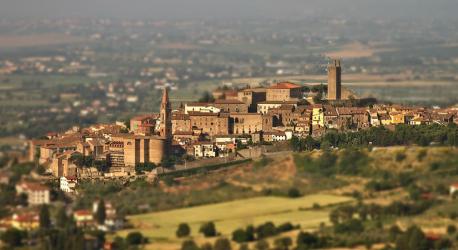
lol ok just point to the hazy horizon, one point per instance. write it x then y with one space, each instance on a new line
203 9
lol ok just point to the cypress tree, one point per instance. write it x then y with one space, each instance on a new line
100 214
45 221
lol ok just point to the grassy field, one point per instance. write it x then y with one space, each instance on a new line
160 227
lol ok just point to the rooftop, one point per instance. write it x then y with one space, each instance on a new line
285 85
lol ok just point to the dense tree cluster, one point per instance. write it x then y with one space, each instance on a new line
423 135
260 232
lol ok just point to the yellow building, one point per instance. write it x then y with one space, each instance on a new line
27 221
317 115
397 118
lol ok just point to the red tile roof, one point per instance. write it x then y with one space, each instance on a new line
285 85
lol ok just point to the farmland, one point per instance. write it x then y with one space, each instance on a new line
228 216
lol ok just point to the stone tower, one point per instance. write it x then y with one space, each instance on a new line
165 116
334 80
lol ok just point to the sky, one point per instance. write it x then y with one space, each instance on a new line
252 9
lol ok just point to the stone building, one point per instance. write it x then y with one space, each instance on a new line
284 91
180 123
330 117
252 97
144 124
334 80
282 116
62 165
249 123
126 150
264 107
210 123
231 106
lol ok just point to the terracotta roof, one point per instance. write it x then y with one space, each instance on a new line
285 85
33 186
279 102
82 212
27 217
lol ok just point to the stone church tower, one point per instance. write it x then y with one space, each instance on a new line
165 116
334 80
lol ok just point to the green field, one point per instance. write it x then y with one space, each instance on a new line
229 216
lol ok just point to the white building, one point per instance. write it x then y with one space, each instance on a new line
68 184
200 107
37 194
204 149
453 188
263 107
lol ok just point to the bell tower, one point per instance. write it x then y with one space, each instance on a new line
165 116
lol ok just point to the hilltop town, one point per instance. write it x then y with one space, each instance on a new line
229 121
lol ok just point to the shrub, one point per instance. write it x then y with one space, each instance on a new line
222 244
294 193
261 245
265 230
183 230
285 227
350 226
400 156
283 243
244 247
13 237
208 229
239 236
189 245
135 238
206 246
421 155
451 229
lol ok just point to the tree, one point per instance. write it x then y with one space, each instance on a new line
265 230
413 239
451 229
307 240
208 229
394 232
283 243
244 246
285 227
12 237
261 245
239 235
183 230
119 243
135 238
222 244
61 217
189 245
100 213
206 246
45 221
206 97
